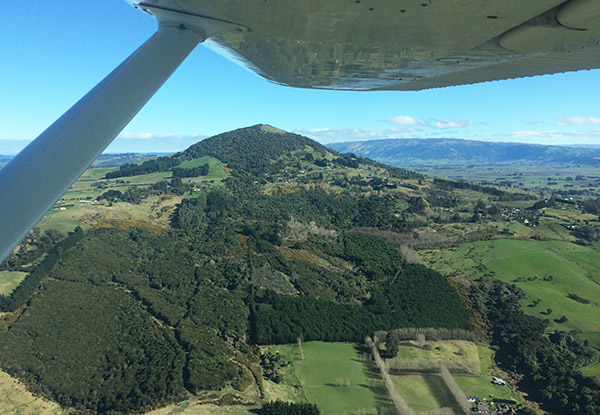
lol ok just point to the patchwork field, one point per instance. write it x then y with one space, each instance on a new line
426 391
555 177
74 208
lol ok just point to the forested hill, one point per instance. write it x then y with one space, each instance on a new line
251 149
260 252
266 237
404 152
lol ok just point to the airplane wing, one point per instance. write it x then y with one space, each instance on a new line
326 44
405 44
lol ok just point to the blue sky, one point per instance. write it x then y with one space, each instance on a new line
52 53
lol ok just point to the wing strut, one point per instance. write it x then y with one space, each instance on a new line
32 182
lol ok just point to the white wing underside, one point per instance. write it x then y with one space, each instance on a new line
401 44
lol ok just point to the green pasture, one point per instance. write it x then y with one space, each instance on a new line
95 174
63 221
482 386
74 196
593 369
149 178
574 270
456 355
324 366
554 229
66 220
569 214
9 280
424 392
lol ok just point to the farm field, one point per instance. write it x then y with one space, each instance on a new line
317 377
15 399
547 271
216 168
592 370
153 210
424 392
9 281
92 184
481 386
456 355
553 177
193 408
324 366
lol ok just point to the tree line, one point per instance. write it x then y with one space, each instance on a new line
26 288
201 170
149 166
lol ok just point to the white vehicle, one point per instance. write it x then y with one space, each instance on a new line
498 381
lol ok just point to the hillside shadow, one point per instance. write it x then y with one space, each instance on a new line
375 385
440 392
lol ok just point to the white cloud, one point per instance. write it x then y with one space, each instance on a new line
453 123
578 121
136 136
405 120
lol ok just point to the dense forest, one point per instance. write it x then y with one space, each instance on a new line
290 245
164 163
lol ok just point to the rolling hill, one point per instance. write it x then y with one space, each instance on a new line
190 265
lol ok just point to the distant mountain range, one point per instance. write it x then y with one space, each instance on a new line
449 151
